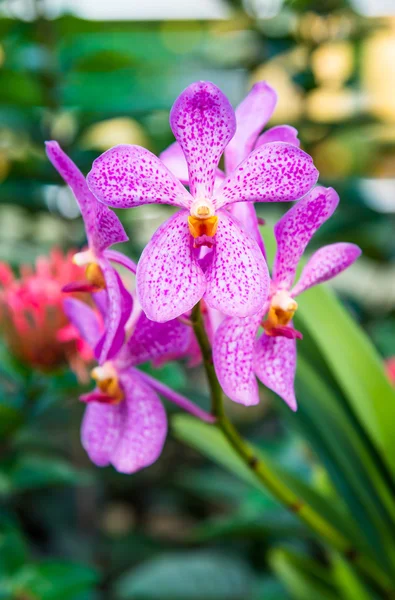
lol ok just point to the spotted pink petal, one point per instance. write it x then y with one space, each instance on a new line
174 159
275 366
203 122
151 340
84 319
143 426
127 176
280 133
121 259
245 213
251 117
296 228
103 227
100 430
275 172
119 307
233 352
326 263
169 279
237 277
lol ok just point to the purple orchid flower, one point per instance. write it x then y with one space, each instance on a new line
240 357
103 229
234 278
252 115
125 423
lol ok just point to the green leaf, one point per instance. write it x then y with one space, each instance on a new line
355 365
53 580
198 575
349 585
36 471
13 551
305 579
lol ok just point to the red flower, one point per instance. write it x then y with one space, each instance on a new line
32 318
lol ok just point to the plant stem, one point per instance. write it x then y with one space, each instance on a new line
286 496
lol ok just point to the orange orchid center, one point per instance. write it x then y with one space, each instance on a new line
107 381
281 311
95 276
93 272
202 220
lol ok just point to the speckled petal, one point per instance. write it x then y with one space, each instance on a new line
237 277
203 122
119 307
275 366
252 114
245 213
151 340
143 426
100 431
174 159
280 133
103 228
233 351
169 279
275 172
84 319
127 176
295 229
326 263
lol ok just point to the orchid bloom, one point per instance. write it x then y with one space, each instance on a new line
238 355
125 423
234 278
252 115
103 229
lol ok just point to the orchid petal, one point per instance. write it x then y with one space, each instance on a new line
295 229
237 277
326 263
126 176
252 114
121 259
100 431
233 351
275 366
245 213
169 279
275 172
151 340
143 426
103 227
119 308
280 133
203 122
174 159
84 319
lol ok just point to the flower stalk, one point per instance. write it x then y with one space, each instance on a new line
287 497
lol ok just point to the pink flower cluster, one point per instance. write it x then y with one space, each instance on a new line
209 250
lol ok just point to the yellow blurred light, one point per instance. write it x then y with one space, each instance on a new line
333 158
378 74
333 62
290 96
106 134
4 166
2 55
325 105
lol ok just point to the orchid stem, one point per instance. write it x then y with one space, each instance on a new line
176 398
286 496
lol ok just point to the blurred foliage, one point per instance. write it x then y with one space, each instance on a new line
186 528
